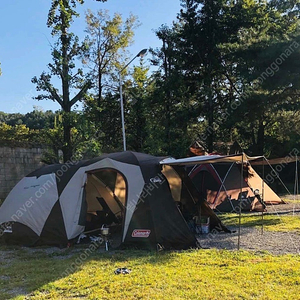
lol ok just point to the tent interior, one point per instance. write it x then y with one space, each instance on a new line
104 202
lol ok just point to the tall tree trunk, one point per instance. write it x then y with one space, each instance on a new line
260 137
99 84
67 146
210 136
211 46
258 140
168 100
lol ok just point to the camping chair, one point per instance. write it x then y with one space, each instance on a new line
246 201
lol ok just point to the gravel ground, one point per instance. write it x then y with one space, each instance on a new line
257 239
253 239
284 208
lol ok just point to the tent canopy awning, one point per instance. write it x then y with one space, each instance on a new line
276 161
208 159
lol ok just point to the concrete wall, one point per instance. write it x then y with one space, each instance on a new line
15 163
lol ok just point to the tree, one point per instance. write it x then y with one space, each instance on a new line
107 131
38 119
64 54
214 55
172 106
137 109
267 60
107 40
208 33
82 139
18 135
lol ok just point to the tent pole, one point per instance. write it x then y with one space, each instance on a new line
263 198
240 200
296 184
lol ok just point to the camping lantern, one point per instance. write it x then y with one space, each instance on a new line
105 232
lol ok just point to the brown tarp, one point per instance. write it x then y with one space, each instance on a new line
222 184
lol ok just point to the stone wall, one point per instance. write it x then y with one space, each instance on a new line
15 163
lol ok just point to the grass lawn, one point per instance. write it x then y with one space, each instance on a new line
289 200
83 272
194 274
282 223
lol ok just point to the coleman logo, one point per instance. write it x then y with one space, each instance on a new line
141 233
156 179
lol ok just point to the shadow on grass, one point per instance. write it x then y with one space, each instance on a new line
25 271
250 220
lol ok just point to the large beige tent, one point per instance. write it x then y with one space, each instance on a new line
223 186
223 182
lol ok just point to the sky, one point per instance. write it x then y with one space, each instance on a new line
25 42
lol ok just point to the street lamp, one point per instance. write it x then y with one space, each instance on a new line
140 54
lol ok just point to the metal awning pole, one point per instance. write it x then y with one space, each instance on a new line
240 202
296 191
263 198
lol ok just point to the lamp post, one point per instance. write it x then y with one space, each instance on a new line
140 54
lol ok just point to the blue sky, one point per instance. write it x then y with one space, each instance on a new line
25 38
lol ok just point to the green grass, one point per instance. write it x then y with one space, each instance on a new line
194 274
281 223
289 200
